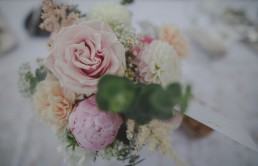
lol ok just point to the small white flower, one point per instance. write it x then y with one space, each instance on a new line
159 64
108 12
76 157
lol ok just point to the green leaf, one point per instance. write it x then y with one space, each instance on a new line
75 9
126 2
115 94
140 102
185 99
175 92
140 110
28 76
32 81
133 159
71 140
161 104
139 161
41 74
33 84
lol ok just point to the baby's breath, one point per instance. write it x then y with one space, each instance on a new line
125 33
24 85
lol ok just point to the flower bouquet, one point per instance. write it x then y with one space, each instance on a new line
105 90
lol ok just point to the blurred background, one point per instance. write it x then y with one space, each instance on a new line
222 69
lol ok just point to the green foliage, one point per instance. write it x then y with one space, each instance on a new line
126 2
34 79
41 74
140 102
140 109
75 9
71 140
120 151
183 103
116 93
133 160
126 154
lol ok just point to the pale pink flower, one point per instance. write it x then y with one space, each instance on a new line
84 52
172 35
93 129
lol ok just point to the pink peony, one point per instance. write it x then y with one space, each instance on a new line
93 129
82 53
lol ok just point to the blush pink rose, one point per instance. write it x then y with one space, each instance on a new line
82 53
93 129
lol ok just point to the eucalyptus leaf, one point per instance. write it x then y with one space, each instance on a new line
140 102
41 74
126 2
175 92
185 98
115 94
161 104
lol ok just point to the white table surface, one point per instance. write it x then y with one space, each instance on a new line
227 85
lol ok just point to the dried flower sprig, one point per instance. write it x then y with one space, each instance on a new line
56 16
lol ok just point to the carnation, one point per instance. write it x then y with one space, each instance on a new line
53 103
159 63
110 13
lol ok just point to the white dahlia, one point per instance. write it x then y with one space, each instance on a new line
159 63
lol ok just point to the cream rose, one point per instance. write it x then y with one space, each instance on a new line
172 35
82 53
53 104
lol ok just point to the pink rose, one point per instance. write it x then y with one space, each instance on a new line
93 129
82 53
